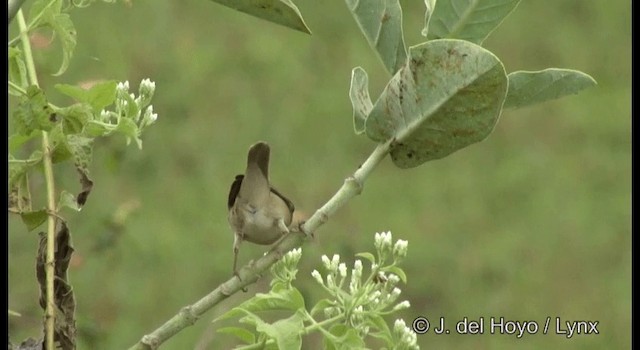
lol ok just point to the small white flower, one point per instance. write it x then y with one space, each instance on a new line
386 240
375 295
293 256
399 326
342 268
123 86
377 239
315 274
147 84
357 265
326 262
393 279
400 248
334 262
401 306
393 296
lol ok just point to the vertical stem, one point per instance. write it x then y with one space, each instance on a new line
51 197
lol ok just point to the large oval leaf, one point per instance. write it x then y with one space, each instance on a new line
527 88
283 12
471 20
360 100
381 23
448 96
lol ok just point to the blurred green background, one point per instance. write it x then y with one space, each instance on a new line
533 222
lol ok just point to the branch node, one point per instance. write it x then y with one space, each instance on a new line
189 316
225 290
150 341
323 217
355 184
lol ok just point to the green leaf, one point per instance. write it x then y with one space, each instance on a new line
241 333
129 128
471 20
381 23
367 256
47 13
77 93
527 88
97 129
64 29
17 140
98 96
283 12
69 201
33 219
320 306
360 100
41 12
447 97
377 322
345 338
75 117
102 94
132 108
19 193
81 149
396 271
33 112
276 299
17 71
60 150
286 332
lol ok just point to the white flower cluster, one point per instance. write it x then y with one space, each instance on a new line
375 295
127 105
285 270
407 337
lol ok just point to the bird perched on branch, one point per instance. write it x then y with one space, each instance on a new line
258 213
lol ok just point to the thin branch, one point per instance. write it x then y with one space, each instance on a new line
51 199
250 273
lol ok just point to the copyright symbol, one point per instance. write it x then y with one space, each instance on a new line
420 325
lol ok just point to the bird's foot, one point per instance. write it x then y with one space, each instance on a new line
235 273
300 228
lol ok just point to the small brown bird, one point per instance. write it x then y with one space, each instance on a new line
258 213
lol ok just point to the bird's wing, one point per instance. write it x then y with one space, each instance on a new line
285 199
234 190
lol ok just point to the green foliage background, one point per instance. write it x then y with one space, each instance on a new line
532 222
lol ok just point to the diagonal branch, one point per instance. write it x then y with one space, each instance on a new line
250 273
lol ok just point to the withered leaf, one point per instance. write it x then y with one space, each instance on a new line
64 300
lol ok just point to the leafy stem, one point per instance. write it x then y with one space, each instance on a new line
51 200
